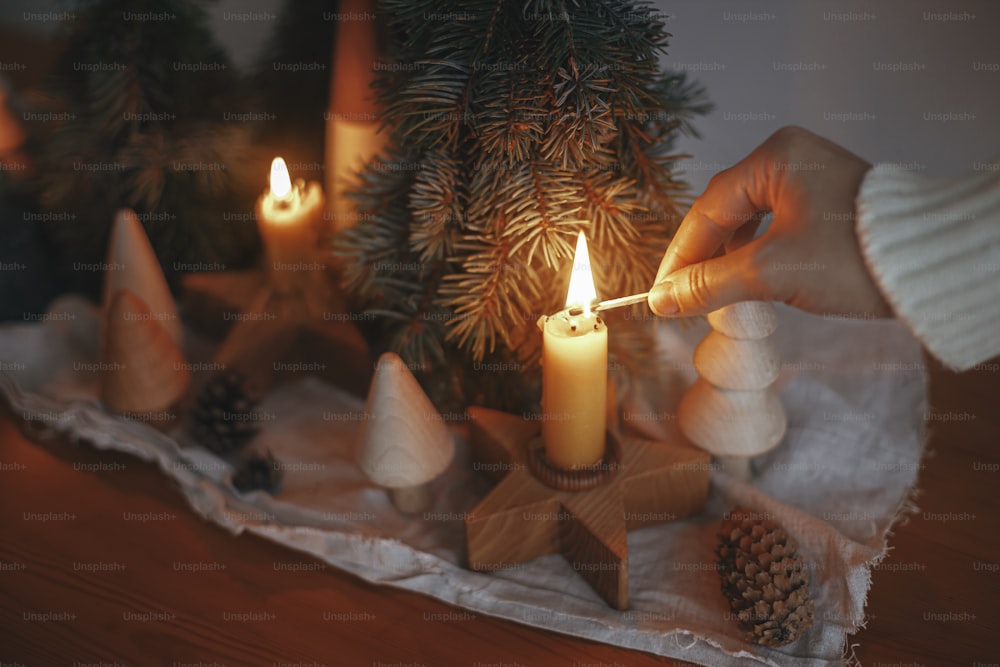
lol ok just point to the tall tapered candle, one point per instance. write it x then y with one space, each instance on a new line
352 123
575 373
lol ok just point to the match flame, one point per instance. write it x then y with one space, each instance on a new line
581 291
281 182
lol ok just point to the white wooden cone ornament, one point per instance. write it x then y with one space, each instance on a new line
404 443
732 410
147 371
731 363
753 320
133 266
731 423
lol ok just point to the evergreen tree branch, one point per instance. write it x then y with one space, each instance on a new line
532 121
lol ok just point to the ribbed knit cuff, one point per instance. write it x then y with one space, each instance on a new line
934 250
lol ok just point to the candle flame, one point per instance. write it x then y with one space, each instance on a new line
281 182
581 291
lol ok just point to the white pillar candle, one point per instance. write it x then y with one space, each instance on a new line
575 374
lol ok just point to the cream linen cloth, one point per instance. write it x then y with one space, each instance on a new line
855 394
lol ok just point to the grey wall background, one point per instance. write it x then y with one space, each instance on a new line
241 37
816 63
746 54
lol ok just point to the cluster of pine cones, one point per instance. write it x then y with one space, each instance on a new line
223 421
764 579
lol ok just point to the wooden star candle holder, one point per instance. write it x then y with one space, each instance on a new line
524 517
263 332
290 320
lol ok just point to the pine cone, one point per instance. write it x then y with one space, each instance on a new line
222 418
764 579
258 471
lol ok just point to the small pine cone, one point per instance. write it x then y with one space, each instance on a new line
764 579
222 418
258 471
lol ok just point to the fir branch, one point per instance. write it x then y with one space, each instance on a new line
483 311
609 204
373 254
512 121
436 207
541 213
429 110
132 121
533 121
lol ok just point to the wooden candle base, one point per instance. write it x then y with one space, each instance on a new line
574 480
271 337
523 518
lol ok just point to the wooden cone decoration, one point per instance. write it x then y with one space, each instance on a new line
133 266
148 372
404 442
732 411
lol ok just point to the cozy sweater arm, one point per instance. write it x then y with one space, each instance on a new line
934 250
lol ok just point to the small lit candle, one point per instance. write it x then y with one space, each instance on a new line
575 373
289 216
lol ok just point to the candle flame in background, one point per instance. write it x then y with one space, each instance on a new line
281 182
581 290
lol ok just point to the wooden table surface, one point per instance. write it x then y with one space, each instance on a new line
83 582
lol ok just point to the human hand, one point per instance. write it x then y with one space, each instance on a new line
809 257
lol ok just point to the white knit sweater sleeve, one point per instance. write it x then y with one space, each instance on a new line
934 250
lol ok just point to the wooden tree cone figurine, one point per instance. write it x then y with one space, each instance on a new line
732 411
133 266
730 363
404 443
147 370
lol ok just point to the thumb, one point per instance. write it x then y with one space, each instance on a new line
702 287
